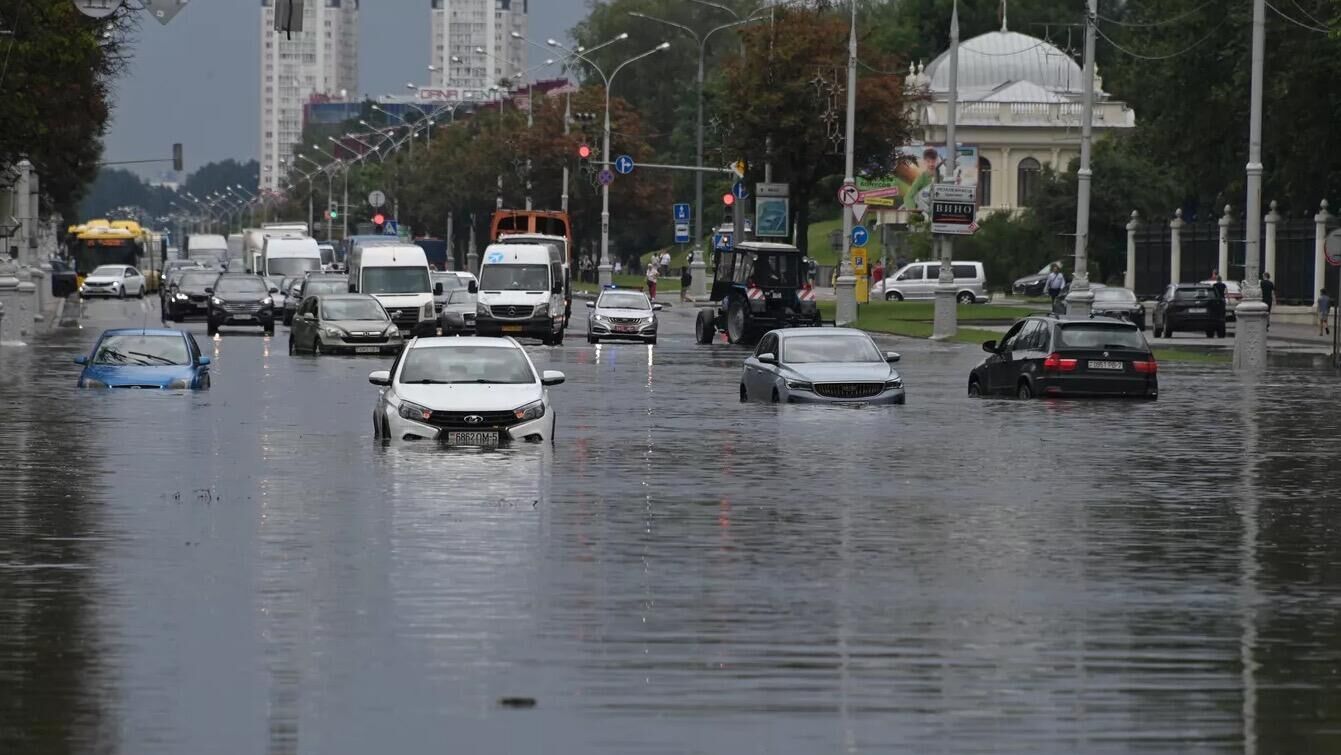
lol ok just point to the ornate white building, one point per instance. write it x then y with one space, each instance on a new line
1020 105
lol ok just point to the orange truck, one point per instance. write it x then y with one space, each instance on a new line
550 228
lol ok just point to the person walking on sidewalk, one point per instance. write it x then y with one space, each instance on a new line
1324 304
685 279
1056 283
1268 295
653 272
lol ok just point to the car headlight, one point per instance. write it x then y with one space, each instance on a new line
94 383
179 296
542 310
533 410
893 383
115 284
391 330
333 332
180 384
481 310
800 385
414 411
599 318
426 312
216 301
267 302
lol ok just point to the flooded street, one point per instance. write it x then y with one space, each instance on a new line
245 570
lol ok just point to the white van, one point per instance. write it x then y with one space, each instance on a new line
286 227
559 252
235 252
206 248
521 293
918 280
397 275
286 257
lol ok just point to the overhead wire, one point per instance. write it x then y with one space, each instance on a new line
1295 21
1163 22
1141 56
1308 15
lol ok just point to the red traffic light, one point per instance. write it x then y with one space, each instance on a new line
728 199
379 219
583 151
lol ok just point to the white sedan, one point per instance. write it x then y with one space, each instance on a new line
466 392
113 280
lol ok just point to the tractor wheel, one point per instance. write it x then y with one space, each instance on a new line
704 329
737 320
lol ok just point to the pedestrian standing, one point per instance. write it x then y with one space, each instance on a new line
1324 304
1055 284
1218 284
1268 295
878 272
653 272
619 267
665 263
685 279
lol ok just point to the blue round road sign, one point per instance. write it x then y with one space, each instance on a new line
859 235
624 164
605 177
740 191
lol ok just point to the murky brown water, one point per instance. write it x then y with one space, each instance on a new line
246 571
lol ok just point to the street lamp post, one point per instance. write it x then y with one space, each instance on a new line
845 287
606 278
1250 343
1081 298
945 322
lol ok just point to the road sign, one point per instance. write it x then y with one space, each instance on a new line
391 228
771 216
1333 247
680 211
954 209
739 168
881 193
624 164
739 190
164 10
848 195
377 199
605 177
860 235
97 8
682 233
858 212
772 190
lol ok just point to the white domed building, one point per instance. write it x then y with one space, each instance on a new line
1020 105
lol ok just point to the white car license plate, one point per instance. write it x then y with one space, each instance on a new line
242 317
366 349
487 440
1196 311
625 329
1095 365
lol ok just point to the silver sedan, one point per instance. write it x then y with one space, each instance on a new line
820 366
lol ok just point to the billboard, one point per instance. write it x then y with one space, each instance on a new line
915 169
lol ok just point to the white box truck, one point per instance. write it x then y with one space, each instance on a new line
397 275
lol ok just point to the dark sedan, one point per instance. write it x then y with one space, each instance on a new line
1120 304
186 295
1190 306
1032 285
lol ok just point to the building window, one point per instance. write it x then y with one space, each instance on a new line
984 182
1027 176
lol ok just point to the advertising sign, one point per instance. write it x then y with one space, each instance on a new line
954 209
914 173
771 216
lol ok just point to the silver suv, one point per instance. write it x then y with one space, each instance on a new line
918 280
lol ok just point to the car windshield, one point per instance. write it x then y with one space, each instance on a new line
108 270
466 364
1100 336
449 282
1114 295
395 280
140 349
291 265
327 255
808 349
325 287
460 296
1194 294
515 278
196 280
246 285
352 309
777 270
624 301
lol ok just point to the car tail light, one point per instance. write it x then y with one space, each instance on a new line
1145 368
1055 363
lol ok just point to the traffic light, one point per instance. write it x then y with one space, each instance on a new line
584 152
177 160
379 221
728 201
335 212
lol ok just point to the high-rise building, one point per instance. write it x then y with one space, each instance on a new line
462 26
320 61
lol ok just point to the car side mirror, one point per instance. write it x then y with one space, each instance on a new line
989 347
551 377
307 317
591 305
437 288
656 307
209 289
472 288
767 358
274 290
892 356
380 377
353 289
81 359
203 361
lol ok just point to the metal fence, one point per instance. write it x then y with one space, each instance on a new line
1200 254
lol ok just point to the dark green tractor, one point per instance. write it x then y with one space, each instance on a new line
758 286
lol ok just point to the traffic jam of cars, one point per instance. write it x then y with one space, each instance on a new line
459 374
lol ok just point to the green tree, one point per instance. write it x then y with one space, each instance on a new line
219 176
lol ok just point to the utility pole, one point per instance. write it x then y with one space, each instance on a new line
1250 343
946 322
845 288
1081 298
451 244
567 119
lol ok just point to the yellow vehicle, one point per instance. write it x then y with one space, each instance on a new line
117 242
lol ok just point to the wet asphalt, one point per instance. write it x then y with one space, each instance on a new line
245 570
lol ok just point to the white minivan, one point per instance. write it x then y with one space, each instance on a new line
521 293
397 275
288 257
918 280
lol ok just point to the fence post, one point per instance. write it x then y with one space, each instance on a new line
1129 280
1222 262
1319 250
1176 246
1272 219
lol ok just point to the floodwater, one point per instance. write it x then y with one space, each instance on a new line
246 571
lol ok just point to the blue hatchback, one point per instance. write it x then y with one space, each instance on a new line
145 358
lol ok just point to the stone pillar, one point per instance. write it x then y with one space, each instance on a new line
1176 247
1272 219
41 291
698 286
472 256
16 296
1129 279
1008 196
1222 261
22 193
1320 250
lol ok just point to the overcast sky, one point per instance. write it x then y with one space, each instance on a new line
195 80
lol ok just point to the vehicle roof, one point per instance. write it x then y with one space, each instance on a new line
1206 284
454 273
767 246
817 332
1076 320
535 236
344 297
144 331
113 264
437 342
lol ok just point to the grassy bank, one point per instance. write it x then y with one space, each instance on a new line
668 284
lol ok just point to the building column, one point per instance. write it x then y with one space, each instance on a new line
1320 250
1176 247
1129 278
1272 219
1008 196
1222 261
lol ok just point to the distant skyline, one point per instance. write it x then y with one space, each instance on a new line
195 80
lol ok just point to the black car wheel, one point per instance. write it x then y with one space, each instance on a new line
212 329
966 297
593 339
270 329
288 317
1220 331
776 398
291 349
1210 333
893 296
974 390
744 394
316 347
1024 392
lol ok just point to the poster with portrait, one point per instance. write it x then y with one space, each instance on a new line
915 167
